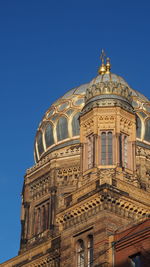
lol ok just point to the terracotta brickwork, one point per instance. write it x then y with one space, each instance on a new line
133 243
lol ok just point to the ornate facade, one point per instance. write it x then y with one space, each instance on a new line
91 175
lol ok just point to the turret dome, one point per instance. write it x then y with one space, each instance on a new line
60 124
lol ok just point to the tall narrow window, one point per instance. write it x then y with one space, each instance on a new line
49 138
62 128
43 218
124 150
103 148
75 125
106 148
90 251
47 215
147 130
40 143
138 127
38 220
80 253
109 148
90 147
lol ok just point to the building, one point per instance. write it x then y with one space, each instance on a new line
91 175
131 247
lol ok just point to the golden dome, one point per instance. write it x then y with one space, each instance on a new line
60 125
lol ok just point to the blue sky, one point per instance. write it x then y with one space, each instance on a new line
47 48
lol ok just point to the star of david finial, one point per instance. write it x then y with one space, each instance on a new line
104 68
102 56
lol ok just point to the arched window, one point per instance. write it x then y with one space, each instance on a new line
138 127
40 143
106 148
49 138
80 253
62 128
75 125
90 251
147 131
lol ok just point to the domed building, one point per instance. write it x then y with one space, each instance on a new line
91 175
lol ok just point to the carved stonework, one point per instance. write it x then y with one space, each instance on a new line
108 88
105 201
39 187
67 176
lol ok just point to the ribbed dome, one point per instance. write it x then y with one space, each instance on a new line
111 77
108 78
60 125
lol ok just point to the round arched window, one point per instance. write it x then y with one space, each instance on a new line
80 253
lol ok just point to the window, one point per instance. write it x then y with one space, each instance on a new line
138 127
75 125
90 251
90 151
80 253
84 251
35 154
135 261
147 130
49 138
106 148
41 218
62 129
40 143
124 150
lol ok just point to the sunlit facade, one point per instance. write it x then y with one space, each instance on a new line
91 175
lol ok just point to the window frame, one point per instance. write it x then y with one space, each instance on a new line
80 252
135 260
86 252
106 148
91 151
90 251
124 150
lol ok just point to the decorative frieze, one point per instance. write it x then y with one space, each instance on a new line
105 201
39 187
67 176
108 88
61 153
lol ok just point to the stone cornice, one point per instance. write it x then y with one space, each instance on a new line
109 199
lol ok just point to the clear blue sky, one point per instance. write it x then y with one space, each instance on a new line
46 48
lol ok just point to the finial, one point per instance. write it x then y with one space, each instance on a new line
108 65
102 56
102 69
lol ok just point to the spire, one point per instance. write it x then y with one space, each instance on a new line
104 68
108 65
